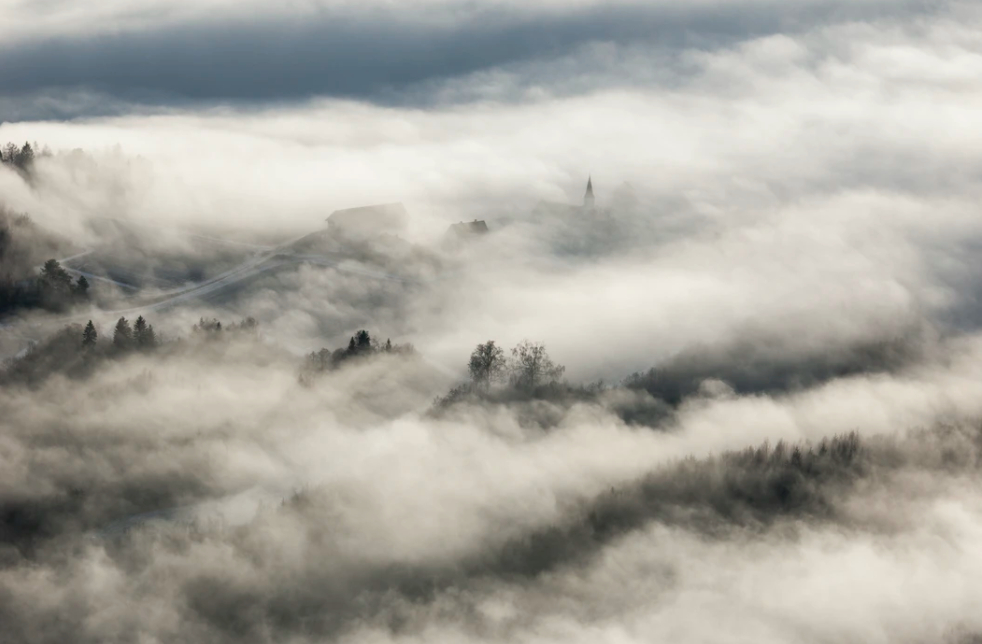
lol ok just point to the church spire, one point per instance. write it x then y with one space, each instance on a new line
588 197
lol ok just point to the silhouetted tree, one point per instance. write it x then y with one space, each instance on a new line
54 285
247 327
123 335
531 366
25 157
143 334
81 288
55 277
359 346
205 327
9 153
89 335
487 364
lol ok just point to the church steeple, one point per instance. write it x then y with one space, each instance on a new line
588 197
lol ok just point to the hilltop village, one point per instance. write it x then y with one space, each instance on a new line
369 222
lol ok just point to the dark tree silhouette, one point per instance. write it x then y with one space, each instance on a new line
487 364
25 158
531 366
143 334
207 327
55 277
363 342
9 153
89 336
123 335
360 346
81 288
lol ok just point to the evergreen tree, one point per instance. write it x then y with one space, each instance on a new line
150 337
123 335
25 158
139 327
81 288
89 335
9 153
55 277
143 334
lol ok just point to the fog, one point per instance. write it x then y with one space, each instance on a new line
756 411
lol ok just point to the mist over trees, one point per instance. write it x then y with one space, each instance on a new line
741 240
361 347
22 158
29 275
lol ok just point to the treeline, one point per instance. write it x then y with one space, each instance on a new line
361 346
23 247
212 329
76 350
52 289
22 157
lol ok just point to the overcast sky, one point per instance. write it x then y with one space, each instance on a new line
56 58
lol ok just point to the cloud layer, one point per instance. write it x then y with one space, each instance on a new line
794 255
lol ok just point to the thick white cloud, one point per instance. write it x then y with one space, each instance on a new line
809 191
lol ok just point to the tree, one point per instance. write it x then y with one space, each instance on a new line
9 153
55 277
150 337
363 342
208 328
123 335
487 364
143 334
81 288
531 366
89 335
25 158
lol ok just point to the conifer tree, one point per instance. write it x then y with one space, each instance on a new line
139 327
89 335
81 287
25 158
143 334
123 334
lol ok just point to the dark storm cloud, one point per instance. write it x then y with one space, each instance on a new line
370 56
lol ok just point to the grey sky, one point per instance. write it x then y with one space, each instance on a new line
377 53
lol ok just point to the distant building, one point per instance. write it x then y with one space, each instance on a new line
369 221
464 231
468 228
553 208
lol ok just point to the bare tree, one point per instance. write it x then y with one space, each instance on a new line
531 366
487 364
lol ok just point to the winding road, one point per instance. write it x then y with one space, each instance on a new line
265 258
